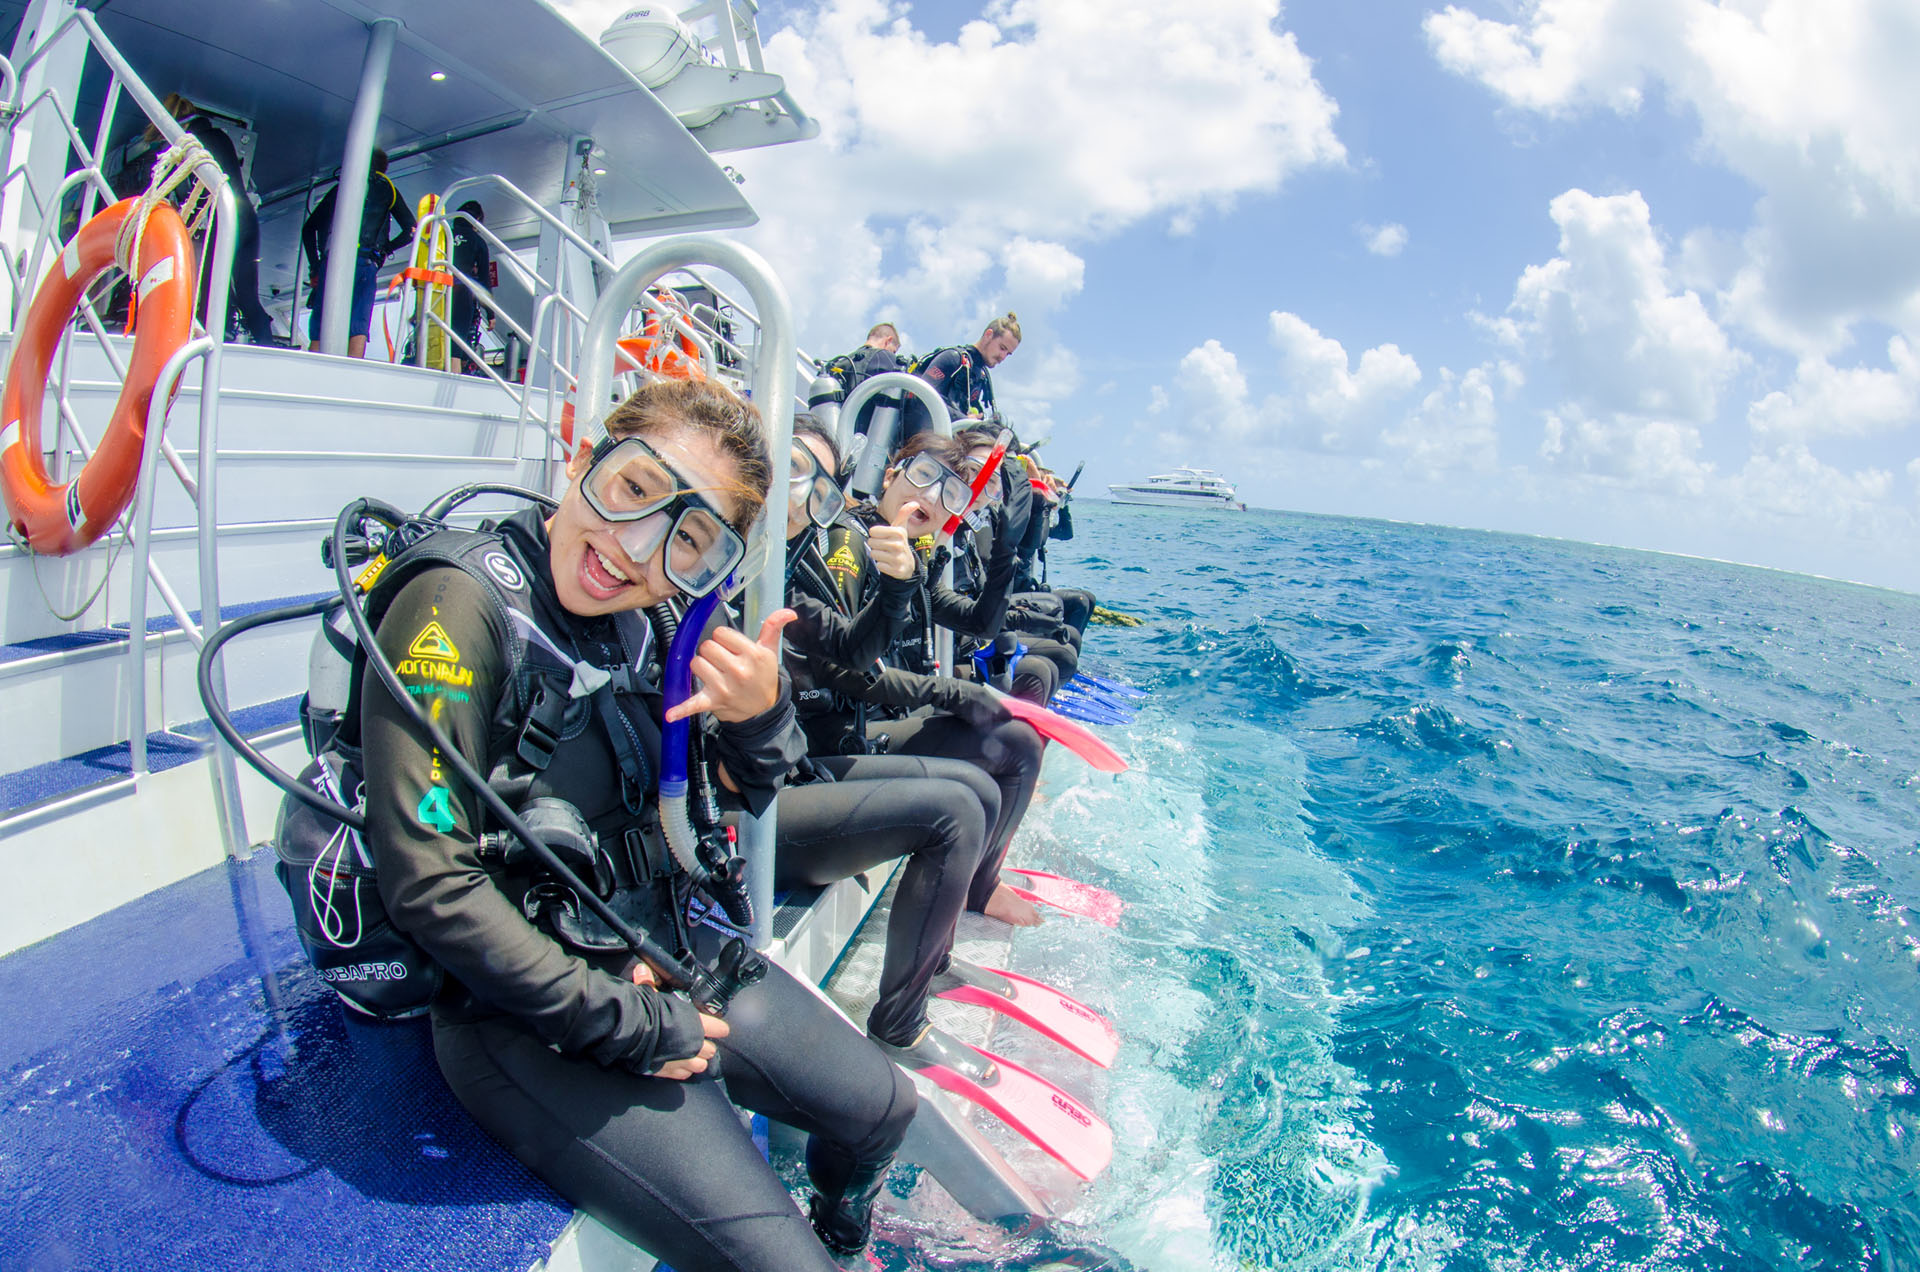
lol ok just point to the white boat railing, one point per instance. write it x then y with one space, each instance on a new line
217 268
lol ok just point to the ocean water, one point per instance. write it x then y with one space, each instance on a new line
1493 903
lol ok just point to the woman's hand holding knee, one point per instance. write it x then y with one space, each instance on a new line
711 1026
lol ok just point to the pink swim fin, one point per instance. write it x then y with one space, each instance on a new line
1067 733
1066 894
1038 1006
1054 1121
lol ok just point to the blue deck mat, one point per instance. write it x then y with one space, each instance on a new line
164 751
179 1090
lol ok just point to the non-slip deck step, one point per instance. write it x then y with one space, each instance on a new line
27 789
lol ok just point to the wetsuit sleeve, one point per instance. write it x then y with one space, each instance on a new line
759 753
421 821
857 639
986 614
315 228
908 691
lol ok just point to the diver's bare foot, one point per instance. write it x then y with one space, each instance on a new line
1007 907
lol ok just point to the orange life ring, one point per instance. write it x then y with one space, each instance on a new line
57 520
679 360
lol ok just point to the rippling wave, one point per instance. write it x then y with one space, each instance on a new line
1495 903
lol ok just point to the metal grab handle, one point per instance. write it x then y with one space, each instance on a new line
773 386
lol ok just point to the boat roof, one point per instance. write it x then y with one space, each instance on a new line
520 83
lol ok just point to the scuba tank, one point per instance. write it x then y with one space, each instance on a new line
871 467
823 402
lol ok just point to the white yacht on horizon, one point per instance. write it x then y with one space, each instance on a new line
1182 488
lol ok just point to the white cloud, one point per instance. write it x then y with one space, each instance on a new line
1657 455
1384 240
1056 122
1041 276
1454 428
1842 402
955 180
1325 401
1605 316
1813 101
1328 404
1211 376
1790 482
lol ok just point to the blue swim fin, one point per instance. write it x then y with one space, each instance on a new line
1108 684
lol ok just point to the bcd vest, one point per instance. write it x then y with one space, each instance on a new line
550 703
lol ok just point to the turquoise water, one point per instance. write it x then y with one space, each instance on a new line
1493 903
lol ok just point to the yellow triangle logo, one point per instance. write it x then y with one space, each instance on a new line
432 643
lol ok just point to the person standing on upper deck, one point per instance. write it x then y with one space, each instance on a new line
472 258
385 206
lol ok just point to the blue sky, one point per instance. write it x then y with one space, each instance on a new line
1643 272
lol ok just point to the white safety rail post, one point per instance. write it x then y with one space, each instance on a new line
201 487
772 384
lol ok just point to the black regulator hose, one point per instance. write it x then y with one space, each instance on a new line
223 723
702 986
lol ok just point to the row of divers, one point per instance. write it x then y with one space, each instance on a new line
531 739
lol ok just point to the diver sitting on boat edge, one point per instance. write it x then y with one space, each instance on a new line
843 814
902 711
552 1035
962 375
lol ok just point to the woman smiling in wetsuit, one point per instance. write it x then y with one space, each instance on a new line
561 1048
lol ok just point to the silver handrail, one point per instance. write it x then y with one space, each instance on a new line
772 383
893 382
206 349
163 391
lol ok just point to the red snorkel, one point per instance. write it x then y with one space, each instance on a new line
980 480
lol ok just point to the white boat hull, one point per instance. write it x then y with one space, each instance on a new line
1175 498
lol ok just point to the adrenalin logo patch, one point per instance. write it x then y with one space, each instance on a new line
433 643
842 562
74 515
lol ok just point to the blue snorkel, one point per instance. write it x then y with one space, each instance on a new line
726 882
679 687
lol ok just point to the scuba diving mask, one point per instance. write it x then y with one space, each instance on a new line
953 491
647 504
809 480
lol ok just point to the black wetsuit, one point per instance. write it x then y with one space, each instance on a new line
472 258
860 811
549 1048
243 292
936 716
